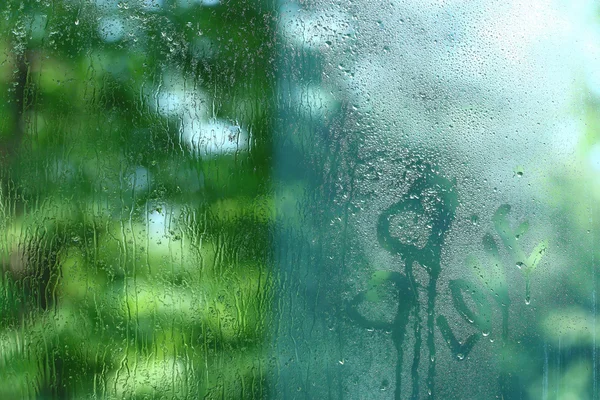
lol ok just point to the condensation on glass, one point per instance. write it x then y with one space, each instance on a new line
445 246
232 199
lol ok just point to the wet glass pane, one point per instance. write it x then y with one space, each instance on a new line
286 199
135 198
440 239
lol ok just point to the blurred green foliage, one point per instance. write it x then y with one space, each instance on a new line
135 263
137 213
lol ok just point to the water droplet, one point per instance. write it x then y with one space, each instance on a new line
485 333
460 356
519 171
76 22
384 385
520 265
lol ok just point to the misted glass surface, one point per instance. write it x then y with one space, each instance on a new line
277 199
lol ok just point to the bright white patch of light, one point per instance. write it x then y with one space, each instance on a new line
313 29
159 223
173 99
523 25
213 137
202 135
170 103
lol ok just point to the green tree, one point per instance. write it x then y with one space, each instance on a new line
135 198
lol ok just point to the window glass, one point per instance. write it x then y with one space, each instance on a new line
445 245
135 198
322 199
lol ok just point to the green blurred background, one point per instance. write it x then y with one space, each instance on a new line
175 190
135 198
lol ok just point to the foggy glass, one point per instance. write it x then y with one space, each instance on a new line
279 199
442 241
